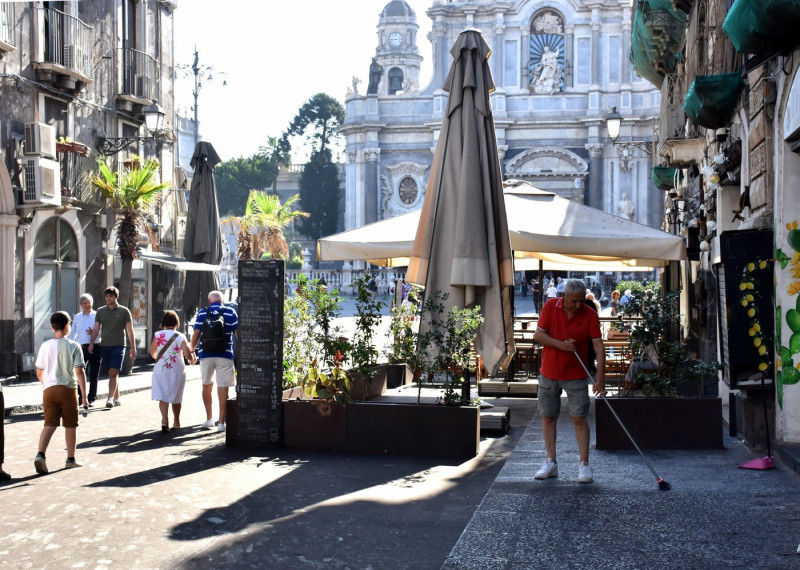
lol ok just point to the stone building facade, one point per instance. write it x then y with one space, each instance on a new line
559 66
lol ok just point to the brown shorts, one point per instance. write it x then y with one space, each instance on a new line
60 402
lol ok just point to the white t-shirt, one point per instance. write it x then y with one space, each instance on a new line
59 357
551 292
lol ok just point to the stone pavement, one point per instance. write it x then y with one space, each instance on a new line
183 500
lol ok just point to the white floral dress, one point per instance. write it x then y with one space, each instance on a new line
169 372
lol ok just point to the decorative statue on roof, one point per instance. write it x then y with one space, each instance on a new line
375 73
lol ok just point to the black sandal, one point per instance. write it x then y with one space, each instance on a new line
164 428
5 476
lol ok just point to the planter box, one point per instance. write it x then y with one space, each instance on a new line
660 423
361 390
314 424
371 427
413 429
398 375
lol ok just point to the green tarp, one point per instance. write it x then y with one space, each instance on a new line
756 26
657 38
665 177
713 99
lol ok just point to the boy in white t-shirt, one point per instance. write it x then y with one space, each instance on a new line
59 361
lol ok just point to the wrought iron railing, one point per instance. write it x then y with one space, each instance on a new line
8 33
139 74
68 42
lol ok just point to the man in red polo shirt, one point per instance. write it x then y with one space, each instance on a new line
567 325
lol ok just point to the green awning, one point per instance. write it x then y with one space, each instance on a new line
713 99
756 26
665 177
657 38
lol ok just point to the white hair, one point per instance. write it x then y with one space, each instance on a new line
215 297
86 297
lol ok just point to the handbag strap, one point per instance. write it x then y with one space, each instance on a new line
166 346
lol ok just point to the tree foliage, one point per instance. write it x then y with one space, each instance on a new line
319 195
317 122
235 178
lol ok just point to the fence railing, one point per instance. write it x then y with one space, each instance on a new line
68 42
8 32
139 74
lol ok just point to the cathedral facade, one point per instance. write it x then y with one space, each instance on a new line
559 66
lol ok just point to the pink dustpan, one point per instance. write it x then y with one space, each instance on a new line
759 463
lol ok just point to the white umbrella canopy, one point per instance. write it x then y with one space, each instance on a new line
541 225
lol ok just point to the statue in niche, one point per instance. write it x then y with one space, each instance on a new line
625 208
546 75
375 73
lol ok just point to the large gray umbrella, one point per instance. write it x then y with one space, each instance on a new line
462 246
203 242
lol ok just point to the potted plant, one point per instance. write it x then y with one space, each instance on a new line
361 352
402 334
661 372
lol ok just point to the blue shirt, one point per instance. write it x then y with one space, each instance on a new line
231 324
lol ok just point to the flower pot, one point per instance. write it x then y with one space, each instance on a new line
660 423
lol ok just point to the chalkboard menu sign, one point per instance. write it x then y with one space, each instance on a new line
260 372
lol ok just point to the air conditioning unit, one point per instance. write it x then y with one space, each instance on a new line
143 86
40 140
75 57
41 183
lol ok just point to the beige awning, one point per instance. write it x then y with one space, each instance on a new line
158 258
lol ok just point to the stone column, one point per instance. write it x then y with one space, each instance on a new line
625 78
351 190
440 51
525 59
595 193
569 56
371 188
595 54
498 56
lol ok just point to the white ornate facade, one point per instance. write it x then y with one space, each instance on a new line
558 66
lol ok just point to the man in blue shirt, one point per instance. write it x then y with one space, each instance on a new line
559 287
219 364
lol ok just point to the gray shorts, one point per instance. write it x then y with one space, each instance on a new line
549 396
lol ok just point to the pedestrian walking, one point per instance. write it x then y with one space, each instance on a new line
114 321
82 327
214 329
523 287
566 325
59 367
615 304
168 348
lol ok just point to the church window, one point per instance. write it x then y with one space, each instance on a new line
584 59
395 80
408 190
547 46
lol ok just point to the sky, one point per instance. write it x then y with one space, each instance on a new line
274 56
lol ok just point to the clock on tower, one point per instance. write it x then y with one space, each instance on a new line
395 39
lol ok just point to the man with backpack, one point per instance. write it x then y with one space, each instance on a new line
213 331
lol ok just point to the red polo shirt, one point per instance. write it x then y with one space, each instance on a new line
582 328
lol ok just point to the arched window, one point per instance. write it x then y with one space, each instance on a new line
547 46
55 275
395 80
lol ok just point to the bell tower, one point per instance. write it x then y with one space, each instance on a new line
397 50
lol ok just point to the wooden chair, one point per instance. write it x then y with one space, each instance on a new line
618 360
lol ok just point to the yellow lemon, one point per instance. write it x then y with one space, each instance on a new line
757 327
762 366
744 302
762 264
762 350
742 286
757 341
751 313
750 285
751 266
749 297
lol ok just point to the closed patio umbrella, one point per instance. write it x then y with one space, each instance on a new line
462 245
203 242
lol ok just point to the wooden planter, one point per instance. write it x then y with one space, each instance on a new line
372 427
660 423
361 389
314 424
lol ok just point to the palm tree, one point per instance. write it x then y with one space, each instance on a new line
261 227
277 151
130 191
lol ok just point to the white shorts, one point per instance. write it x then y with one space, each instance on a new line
224 368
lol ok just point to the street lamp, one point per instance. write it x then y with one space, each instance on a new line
153 120
614 125
200 73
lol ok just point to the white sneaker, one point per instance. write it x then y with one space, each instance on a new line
548 469
207 424
221 427
109 403
585 474
117 402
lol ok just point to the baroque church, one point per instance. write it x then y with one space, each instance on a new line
559 66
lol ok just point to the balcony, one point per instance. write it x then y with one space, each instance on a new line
677 146
67 61
139 79
8 32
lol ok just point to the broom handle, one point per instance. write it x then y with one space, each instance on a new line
614 413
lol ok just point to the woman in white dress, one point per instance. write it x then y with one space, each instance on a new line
169 373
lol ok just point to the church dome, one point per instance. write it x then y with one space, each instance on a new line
397 9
